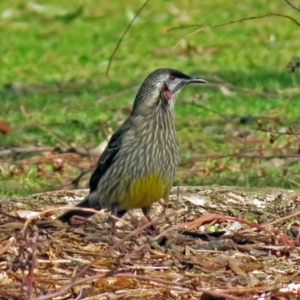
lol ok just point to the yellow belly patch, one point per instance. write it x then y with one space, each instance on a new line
144 191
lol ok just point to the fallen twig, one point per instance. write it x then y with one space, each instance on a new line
103 99
10 242
242 154
288 217
37 124
241 89
22 150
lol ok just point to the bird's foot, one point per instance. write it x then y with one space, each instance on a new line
78 221
153 228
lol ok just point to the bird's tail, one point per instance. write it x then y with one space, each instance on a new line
85 203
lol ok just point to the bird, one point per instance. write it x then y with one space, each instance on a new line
138 165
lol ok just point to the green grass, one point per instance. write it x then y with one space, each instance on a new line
50 45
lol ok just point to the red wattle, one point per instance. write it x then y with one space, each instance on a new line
168 94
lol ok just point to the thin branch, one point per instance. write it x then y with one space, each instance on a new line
74 183
5 295
123 35
229 120
16 217
51 210
292 5
237 155
208 85
296 184
13 151
10 242
76 279
76 180
36 89
167 283
245 90
289 217
228 23
278 133
37 124
20 150
101 100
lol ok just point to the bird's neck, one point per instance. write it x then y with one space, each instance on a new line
160 119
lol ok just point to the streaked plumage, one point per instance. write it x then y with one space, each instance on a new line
139 163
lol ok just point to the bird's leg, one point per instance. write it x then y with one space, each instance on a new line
146 211
112 221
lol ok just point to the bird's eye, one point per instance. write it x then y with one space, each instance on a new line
172 77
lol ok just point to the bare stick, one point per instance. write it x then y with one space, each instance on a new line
168 283
50 210
237 155
74 281
10 242
292 5
101 100
214 111
68 149
123 35
177 203
37 124
76 180
291 216
230 22
245 90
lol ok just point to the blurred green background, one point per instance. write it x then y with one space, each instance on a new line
53 88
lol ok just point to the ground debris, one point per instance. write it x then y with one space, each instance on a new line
214 243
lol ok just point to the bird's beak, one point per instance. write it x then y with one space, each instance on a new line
194 80
186 81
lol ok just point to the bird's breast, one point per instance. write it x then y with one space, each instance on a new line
155 154
156 145
144 168
145 190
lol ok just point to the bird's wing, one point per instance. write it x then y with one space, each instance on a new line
107 157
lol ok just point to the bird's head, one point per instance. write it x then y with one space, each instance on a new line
160 89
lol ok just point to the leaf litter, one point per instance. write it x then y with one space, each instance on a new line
213 243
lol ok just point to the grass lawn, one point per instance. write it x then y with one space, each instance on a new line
54 56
